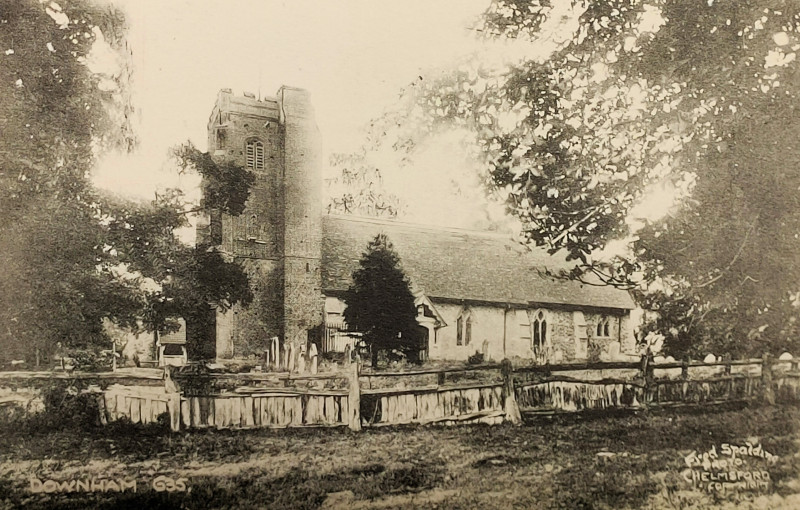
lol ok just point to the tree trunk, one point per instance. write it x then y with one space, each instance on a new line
154 348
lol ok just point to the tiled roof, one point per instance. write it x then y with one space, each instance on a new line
458 264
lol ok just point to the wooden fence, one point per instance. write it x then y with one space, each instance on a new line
471 401
266 400
545 389
268 409
139 404
336 337
490 393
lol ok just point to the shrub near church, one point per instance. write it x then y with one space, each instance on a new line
380 304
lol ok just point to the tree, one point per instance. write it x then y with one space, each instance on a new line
616 99
72 257
380 304
359 189
170 278
225 185
53 109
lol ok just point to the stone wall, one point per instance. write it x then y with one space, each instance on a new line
258 231
487 325
302 303
278 236
508 333
243 331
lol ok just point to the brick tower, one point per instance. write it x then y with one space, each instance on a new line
278 236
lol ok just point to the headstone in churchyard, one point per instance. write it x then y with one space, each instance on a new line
613 350
312 354
301 359
275 352
290 359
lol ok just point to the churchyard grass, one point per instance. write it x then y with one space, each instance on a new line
599 461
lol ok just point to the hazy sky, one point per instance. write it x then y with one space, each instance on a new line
353 56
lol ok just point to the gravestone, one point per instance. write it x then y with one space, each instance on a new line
312 354
275 353
613 350
301 359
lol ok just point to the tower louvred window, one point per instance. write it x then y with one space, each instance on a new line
254 154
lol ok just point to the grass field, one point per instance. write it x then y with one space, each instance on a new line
570 462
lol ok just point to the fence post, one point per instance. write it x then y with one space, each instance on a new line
101 403
354 398
509 396
766 379
647 374
685 378
174 402
727 359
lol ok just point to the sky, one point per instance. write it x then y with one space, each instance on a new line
353 56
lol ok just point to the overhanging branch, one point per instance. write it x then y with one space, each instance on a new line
734 259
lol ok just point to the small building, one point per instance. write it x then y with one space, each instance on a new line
476 291
172 347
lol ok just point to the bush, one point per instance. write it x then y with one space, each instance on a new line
67 407
87 360
594 351
475 359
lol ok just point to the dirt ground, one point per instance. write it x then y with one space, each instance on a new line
590 462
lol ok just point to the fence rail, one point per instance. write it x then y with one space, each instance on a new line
122 373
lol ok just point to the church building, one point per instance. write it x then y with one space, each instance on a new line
475 291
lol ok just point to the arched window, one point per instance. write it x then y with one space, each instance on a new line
468 331
254 154
252 228
603 328
459 329
539 325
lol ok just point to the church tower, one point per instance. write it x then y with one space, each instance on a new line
278 236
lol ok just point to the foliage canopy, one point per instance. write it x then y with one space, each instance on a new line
73 256
664 126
